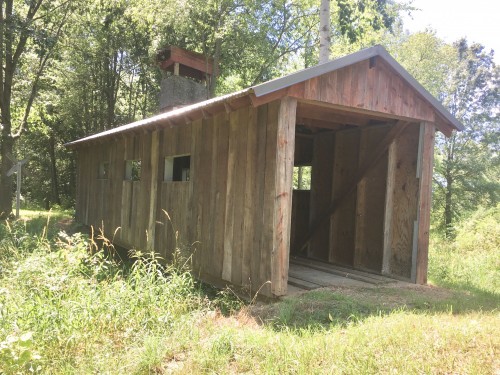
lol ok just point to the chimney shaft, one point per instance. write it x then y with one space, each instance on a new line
186 77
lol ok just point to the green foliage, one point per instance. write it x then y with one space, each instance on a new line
465 79
17 354
302 178
69 305
472 260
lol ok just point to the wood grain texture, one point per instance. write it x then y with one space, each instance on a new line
283 195
371 191
424 202
405 201
321 192
342 224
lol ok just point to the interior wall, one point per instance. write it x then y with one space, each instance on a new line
356 235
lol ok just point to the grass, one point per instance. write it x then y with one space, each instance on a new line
64 309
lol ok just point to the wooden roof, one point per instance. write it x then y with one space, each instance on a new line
366 83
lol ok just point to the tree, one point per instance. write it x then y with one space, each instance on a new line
353 20
29 32
465 79
467 168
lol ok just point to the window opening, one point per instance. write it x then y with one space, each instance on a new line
133 170
177 168
302 177
103 171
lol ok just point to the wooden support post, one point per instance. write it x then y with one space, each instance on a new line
389 206
285 149
176 69
155 143
424 202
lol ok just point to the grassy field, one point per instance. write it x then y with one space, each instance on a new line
65 310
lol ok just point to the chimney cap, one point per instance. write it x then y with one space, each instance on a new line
191 64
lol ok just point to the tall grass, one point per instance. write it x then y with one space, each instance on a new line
472 259
64 307
69 306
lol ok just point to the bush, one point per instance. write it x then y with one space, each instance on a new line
472 260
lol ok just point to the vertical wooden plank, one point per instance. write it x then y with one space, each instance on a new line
203 194
343 221
250 197
321 193
153 188
269 197
424 204
283 204
258 275
230 197
389 207
212 224
239 192
221 122
371 192
195 188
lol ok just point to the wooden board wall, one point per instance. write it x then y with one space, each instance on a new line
321 191
367 87
343 222
370 204
235 207
401 204
233 216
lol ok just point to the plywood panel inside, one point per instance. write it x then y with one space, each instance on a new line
405 200
342 227
371 203
321 192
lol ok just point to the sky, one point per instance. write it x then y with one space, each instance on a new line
478 20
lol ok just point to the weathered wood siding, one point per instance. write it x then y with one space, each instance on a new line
364 87
233 215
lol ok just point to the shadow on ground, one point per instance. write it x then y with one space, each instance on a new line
342 306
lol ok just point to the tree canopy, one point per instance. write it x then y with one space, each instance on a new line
71 68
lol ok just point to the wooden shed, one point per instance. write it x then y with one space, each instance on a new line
223 169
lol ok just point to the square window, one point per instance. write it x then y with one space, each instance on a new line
177 168
103 171
302 177
132 170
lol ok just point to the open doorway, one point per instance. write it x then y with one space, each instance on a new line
330 148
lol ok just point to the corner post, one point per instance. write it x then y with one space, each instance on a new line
285 148
426 164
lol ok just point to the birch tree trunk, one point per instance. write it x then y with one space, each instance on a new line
324 31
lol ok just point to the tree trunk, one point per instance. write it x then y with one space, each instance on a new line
215 74
53 171
448 210
6 182
324 32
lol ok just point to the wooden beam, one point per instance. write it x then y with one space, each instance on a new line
321 124
155 158
257 101
330 115
395 131
283 202
424 203
389 205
